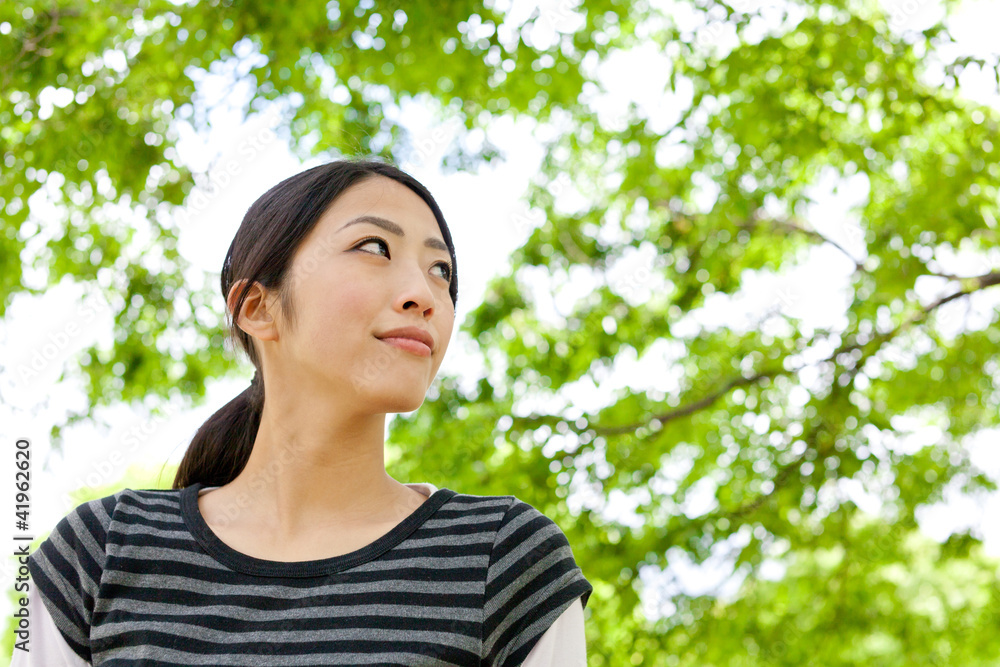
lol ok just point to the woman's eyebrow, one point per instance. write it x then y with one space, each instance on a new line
393 228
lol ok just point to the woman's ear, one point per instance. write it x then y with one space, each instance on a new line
256 317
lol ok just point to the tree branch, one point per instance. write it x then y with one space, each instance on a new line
791 226
982 282
686 410
33 43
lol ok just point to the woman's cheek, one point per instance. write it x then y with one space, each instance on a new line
346 313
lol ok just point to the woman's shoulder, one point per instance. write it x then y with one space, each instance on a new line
499 520
517 528
87 525
100 512
498 511
531 579
67 567
512 512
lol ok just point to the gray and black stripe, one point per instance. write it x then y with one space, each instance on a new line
139 578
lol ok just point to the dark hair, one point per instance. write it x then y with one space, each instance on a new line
262 252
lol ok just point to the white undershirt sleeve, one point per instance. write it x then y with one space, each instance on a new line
564 644
48 648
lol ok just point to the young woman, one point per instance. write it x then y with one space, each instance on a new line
284 541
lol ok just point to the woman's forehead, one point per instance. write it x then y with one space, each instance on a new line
382 198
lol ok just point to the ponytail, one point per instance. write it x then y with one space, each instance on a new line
261 252
220 449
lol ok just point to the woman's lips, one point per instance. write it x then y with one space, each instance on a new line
409 344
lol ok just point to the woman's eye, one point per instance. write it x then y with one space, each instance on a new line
445 266
380 242
446 272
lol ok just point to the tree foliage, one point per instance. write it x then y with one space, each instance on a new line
753 449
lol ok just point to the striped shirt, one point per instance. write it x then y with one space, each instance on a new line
463 580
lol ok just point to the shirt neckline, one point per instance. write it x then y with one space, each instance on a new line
247 564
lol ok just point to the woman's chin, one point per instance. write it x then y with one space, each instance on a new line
403 405
384 399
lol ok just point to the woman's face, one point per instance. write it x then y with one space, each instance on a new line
375 261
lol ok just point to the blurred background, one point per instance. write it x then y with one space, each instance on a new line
728 284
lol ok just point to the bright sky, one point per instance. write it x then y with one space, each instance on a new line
488 220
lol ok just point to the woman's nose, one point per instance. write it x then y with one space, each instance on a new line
414 291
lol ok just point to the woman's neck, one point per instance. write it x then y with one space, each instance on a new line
318 470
